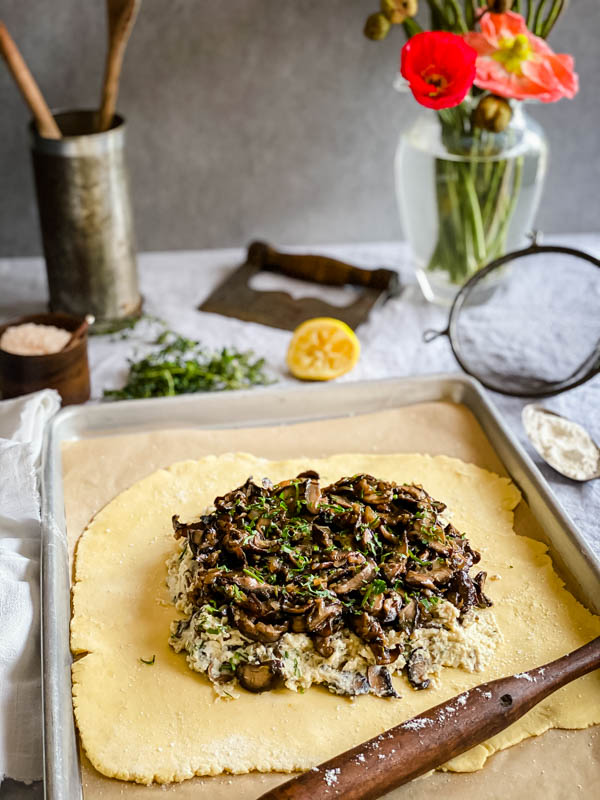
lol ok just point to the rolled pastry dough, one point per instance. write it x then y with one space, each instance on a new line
161 722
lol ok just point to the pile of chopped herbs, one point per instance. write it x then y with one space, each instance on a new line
362 553
183 366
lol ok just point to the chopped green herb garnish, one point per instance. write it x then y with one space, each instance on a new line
418 560
254 574
149 661
183 366
373 589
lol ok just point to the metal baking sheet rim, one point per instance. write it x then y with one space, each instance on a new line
246 409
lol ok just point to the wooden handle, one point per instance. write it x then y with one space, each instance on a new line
121 17
432 738
320 269
80 330
45 122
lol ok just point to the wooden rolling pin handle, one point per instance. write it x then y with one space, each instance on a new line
432 738
46 124
320 269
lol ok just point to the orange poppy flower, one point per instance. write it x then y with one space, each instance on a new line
513 62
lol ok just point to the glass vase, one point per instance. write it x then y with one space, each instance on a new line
465 200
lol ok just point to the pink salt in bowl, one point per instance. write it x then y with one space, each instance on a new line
67 370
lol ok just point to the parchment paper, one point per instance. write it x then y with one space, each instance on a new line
559 765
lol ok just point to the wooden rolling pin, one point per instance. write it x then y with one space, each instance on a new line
437 735
45 122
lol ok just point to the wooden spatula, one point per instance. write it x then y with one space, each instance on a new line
121 17
435 736
44 120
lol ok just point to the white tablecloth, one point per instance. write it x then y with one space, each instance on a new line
174 283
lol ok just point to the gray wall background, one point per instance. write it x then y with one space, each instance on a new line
271 118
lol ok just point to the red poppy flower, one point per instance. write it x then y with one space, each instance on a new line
439 68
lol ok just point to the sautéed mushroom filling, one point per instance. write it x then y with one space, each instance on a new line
294 584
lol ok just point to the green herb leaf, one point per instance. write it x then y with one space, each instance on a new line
373 589
183 366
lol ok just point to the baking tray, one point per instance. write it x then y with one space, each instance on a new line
571 555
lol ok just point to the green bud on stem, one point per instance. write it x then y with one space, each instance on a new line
377 27
492 114
398 10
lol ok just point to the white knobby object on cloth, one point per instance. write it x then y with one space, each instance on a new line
22 423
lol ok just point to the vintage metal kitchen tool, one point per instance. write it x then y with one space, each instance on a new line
402 753
538 333
86 220
235 298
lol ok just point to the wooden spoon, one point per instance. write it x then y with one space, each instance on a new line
121 17
45 122
80 330
437 735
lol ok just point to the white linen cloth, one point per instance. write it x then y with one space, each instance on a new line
22 422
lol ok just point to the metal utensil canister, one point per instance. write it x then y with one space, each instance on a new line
86 219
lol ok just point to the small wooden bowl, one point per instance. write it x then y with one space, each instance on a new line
66 371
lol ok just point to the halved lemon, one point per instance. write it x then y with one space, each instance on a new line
321 349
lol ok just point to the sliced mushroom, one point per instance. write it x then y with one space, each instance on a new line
312 496
380 681
254 606
378 493
322 616
208 560
249 584
387 534
409 615
461 591
356 581
383 655
256 630
340 501
348 683
440 548
322 536
441 575
323 645
374 604
421 579
309 473
298 624
394 568
479 581
367 627
258 677
390 609
417 668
